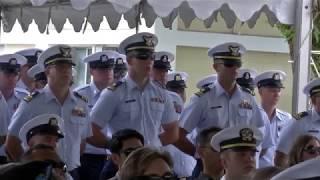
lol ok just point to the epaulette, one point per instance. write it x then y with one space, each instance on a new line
159 84
81 87
76 94
30 96
115 85
202 91
300 115
249 91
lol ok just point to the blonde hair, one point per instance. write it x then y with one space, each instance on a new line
295 154
138 161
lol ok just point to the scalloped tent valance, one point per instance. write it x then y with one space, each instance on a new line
81 12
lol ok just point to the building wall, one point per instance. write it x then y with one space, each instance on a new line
197 64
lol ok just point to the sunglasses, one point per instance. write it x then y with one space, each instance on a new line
128 151
227 65
143 55
312 150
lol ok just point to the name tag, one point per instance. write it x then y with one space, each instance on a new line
130 101
157 100
215 107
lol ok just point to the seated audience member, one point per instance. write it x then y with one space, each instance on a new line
42 129
238 147
147 163
122 144
39 162
211 163
305 147
307 170
266 173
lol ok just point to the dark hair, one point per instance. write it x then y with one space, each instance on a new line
266 173
204 137
118 137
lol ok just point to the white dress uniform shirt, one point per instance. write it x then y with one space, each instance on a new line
76 124
217 108
309 124
14 101
20 84
126 106
183 163
278 123
92 93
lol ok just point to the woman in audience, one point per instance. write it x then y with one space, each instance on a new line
147 163
305 147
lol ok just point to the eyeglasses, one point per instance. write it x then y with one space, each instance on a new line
227 65
57 165
128 151
312 150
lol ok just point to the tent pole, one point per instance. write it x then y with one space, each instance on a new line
302 54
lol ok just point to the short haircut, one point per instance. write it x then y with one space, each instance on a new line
118 137
205 136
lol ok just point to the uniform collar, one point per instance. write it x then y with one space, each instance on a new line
94 89
315 115
50 96
219 90
278 115
133 85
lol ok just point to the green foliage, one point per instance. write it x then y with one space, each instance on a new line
289 33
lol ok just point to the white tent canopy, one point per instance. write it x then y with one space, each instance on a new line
81 12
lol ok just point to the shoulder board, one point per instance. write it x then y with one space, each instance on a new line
115 85
202 91
30 96
249 91
300 115
76 94
81 87
159 84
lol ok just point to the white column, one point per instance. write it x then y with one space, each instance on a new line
301 54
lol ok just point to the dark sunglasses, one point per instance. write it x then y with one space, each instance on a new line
312 150
57 165
231 65
143 55
128 151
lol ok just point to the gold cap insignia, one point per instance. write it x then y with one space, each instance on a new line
120 61
164 58
177 77
53 121
246 134
276 76
104 57
246 75
13 61
234 50
149 40
65 52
